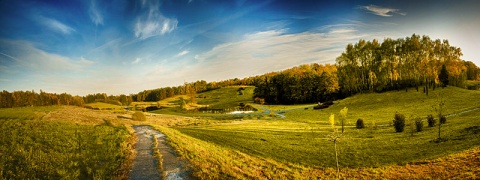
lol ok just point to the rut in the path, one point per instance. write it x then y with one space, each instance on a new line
145 165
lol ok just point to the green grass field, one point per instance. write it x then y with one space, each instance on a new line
44 142
226 97
301 138
223 98
33 148
26 113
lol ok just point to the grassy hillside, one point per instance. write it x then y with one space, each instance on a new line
381 107
223 98
35 146
226 97
301 138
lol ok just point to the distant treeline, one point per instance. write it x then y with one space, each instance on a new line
366 66
31 98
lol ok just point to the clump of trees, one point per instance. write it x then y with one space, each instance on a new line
121 100
369 66
302 84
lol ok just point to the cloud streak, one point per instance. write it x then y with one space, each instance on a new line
56 25
95 14
28 57
267 51
182 53
137 60
382 11
152 22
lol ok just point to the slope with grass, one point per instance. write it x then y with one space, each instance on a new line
222 98
47 143
226 97
301 138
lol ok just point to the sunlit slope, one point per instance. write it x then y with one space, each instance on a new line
381 107
301 137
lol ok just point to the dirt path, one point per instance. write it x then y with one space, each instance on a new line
145 165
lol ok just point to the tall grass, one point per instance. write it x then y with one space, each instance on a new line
36 149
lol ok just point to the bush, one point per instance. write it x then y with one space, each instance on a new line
443 120
360 124
323 105
139 116
399 122
419 125
431 121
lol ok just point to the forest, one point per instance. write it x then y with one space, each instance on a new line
366 66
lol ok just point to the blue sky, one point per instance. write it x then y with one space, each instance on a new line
123 47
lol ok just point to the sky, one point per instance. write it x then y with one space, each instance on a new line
127 46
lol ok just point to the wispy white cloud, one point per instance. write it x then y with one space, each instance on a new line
56 25
182 53
95 13
6 55
137 60
152 22
382 11
30 58
84 61
341 30
268 51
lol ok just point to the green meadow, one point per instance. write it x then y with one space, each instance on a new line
301 138
275 142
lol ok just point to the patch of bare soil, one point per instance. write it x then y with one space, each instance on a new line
145 164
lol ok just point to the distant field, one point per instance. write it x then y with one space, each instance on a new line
226 97
223 98
26 113
172 101
104 106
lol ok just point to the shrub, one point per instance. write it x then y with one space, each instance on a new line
139 116
360 124
431 121
443 120
419 125
399 122
323 105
